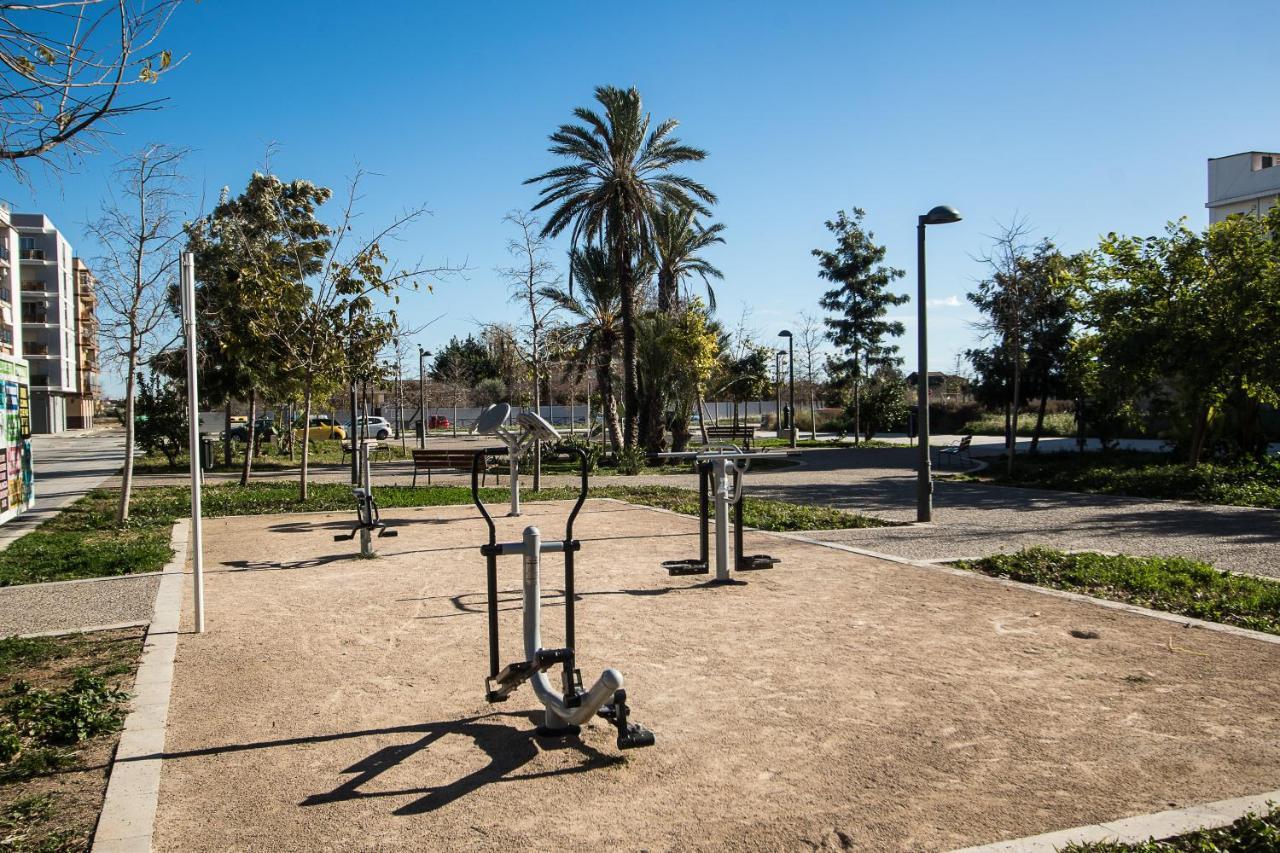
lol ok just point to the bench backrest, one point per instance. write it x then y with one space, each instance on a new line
460 459
731 430
964 442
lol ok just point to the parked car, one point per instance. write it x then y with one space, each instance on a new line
320 429
264 428
438 422
373 427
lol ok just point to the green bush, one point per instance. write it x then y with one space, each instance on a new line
87 708
1150 475
631 461
1172 584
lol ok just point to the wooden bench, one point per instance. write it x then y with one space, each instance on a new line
956 450
457 461
733 434
375 447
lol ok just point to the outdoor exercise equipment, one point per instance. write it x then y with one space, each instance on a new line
531 428
720 476
569 707
368 519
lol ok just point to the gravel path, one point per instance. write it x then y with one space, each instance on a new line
73 605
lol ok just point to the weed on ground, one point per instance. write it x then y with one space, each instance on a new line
1173 584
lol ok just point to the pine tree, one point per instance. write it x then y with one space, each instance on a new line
860 300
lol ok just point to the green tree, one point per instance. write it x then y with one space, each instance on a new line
676 354
1193 314
861 302
464 361
884 404
596 331
618 175
161 425
678 241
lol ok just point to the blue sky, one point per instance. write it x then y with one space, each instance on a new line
1084 117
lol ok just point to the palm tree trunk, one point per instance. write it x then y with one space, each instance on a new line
604 379
631 409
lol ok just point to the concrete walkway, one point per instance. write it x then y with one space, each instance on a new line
67 466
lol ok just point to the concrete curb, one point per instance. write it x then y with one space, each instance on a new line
85 629
1135 830
129 808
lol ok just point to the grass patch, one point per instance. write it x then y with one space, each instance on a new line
61 703
85 541
819 443
1252 833
1173 584
272 459
1145 475
1056 424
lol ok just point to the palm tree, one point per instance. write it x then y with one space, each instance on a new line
595 337
619 176
678 237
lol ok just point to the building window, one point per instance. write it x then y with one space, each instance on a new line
1268 161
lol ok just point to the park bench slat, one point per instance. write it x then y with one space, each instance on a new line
445 460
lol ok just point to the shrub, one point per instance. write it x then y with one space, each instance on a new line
631 461
89 707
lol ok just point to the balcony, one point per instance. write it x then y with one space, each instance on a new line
34 348
39 380
4 253
34 287
36 317
31 254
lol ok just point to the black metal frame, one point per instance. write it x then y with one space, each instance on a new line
368 517
492 550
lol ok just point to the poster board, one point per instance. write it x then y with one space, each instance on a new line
17 480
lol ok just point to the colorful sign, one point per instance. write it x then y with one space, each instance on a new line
17 488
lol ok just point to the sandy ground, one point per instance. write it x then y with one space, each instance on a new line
835 701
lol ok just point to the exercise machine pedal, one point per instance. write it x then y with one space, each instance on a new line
511 677
630 735
676 568
752 562
387 532
547 658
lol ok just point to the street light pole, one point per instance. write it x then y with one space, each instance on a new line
940 215
777 389
791 378
422 398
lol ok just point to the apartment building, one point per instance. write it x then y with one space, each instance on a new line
10 288
1243 183
82 404
49 313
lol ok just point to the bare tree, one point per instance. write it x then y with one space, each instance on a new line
1002 298
138 232
812 334
527 277
399 350
65 66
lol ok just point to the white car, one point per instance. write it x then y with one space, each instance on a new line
379 428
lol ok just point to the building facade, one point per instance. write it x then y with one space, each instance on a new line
1243 183
49 311
82 405
10 289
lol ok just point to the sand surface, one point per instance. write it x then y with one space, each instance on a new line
836 701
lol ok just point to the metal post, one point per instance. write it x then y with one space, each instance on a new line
193 414
422 399
924 481
777 385
366 535
791 368
722 517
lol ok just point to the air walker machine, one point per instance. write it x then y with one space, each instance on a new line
493 421
720 474
368 518
569 707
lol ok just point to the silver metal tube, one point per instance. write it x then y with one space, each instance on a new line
188 274
721 469
559 715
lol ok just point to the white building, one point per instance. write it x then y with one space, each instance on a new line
48 319
10 289
1243 183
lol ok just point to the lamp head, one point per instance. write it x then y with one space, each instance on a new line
943 214
784 334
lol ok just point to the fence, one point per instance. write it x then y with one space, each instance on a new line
572 418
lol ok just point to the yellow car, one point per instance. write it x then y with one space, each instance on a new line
321 429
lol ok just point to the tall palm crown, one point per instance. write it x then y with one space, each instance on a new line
678 240
619 176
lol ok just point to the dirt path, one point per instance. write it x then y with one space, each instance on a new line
837 700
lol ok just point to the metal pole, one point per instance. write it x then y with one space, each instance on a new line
777 384
193 414
924 482
422 399
791 368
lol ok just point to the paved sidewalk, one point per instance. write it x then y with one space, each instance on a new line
67 466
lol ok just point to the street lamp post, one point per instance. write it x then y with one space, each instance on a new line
777 388
422 397
940 215
791 379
